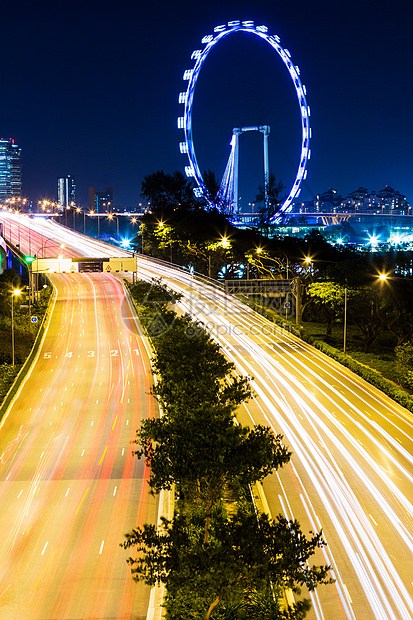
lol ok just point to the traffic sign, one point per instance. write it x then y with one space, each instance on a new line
287 305
34 319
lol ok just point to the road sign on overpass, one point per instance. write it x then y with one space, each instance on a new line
83 264
271 288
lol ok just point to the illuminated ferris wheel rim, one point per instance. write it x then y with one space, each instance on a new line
187 97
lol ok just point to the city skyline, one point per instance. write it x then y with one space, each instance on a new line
95 93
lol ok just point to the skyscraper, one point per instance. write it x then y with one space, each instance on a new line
66 191
10 170
101 202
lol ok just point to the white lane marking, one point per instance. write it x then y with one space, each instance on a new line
372 519
44 548
127 422
20 494
101 547
82 453
41 456
91 423
114 492
347 593
67 492
123 451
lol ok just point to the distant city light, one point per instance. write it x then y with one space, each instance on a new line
396 239
373 241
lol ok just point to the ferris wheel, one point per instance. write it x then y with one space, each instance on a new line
187 99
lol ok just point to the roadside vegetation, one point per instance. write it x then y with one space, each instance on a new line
25 331
218 557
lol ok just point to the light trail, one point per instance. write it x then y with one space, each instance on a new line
48 492
334 458
350 470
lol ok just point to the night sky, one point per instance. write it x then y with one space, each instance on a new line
90 88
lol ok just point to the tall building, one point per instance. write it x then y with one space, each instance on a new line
327 202
101 202
66 191
10 170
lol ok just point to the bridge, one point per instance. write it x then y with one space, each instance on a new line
333 219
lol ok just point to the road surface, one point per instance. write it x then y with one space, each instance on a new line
69 485
351 473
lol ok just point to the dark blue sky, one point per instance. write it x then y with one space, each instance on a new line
91 88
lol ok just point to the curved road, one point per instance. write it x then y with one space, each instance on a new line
69 485
351 473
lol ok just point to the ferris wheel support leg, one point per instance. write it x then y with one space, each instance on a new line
265 130
236 133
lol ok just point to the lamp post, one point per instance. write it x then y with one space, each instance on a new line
113 217
97 217
345 320
44 245
14 294
141 229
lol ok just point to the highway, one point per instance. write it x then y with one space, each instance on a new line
69 486
351 472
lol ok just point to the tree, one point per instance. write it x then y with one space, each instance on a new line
206 451
167 192
206 558
211 185
243 556
396 308
329 297
268 198
197 441
269 264
192 372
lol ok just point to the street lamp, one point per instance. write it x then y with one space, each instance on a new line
113 217
141 231
44 245
97 217
345 320
14 294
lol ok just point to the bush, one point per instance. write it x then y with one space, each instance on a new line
368 374
404 360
